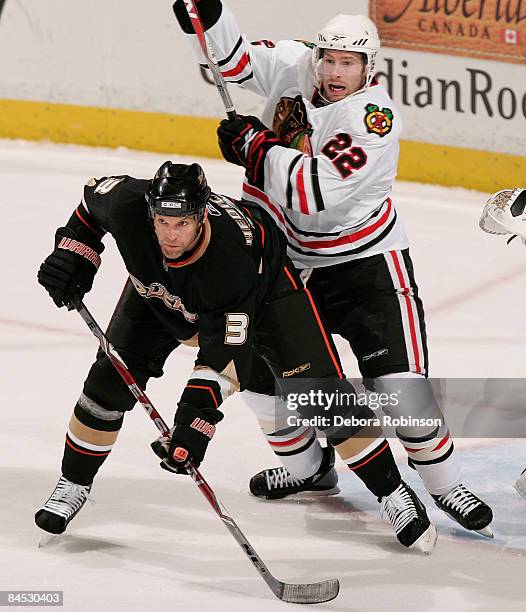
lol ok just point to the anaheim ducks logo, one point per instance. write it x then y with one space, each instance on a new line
156 290
378 121
291 124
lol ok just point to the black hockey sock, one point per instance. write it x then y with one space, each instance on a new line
376 468
89 441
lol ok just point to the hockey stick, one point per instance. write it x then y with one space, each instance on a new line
315 592
2 4
211 60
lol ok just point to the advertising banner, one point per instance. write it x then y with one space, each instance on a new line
486 29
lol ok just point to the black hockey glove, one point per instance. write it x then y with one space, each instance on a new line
209 13
69 271
189 437
245 141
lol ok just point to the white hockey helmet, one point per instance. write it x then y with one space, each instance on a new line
356 33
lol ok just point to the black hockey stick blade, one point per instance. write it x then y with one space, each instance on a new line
316 592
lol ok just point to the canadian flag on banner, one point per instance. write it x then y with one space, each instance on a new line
511 37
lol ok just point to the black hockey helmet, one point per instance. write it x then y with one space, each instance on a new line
178 190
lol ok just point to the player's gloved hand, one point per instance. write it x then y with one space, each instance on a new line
189 437
209 13
69 271
245 141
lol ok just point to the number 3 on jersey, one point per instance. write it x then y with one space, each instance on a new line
236 328
345 157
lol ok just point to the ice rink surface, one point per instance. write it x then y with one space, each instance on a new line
150 542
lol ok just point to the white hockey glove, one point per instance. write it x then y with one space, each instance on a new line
504 213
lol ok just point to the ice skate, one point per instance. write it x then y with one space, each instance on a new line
467 510
520 484
408 516
64 504
277 483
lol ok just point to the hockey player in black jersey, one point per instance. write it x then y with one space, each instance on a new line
199 263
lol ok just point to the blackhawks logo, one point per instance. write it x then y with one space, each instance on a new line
292 125
378 121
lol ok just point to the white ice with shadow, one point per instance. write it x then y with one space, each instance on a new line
151 542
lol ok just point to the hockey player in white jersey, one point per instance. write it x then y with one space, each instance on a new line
325 172
505 214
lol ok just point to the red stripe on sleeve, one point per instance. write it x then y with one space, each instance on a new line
97 233
300 187
239 68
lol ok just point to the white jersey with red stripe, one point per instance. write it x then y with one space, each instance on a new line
331 195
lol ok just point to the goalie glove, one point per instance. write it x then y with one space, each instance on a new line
504 213
188 439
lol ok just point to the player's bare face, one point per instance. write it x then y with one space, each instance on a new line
176 235
341 73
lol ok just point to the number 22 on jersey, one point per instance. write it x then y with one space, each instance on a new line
343 155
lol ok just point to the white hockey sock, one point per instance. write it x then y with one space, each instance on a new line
430 449
298 450
297 447
435 462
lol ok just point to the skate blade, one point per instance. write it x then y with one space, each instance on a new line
486 532
427 541
326 493
46 539
301 495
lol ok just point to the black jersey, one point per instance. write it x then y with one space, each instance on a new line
214 289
